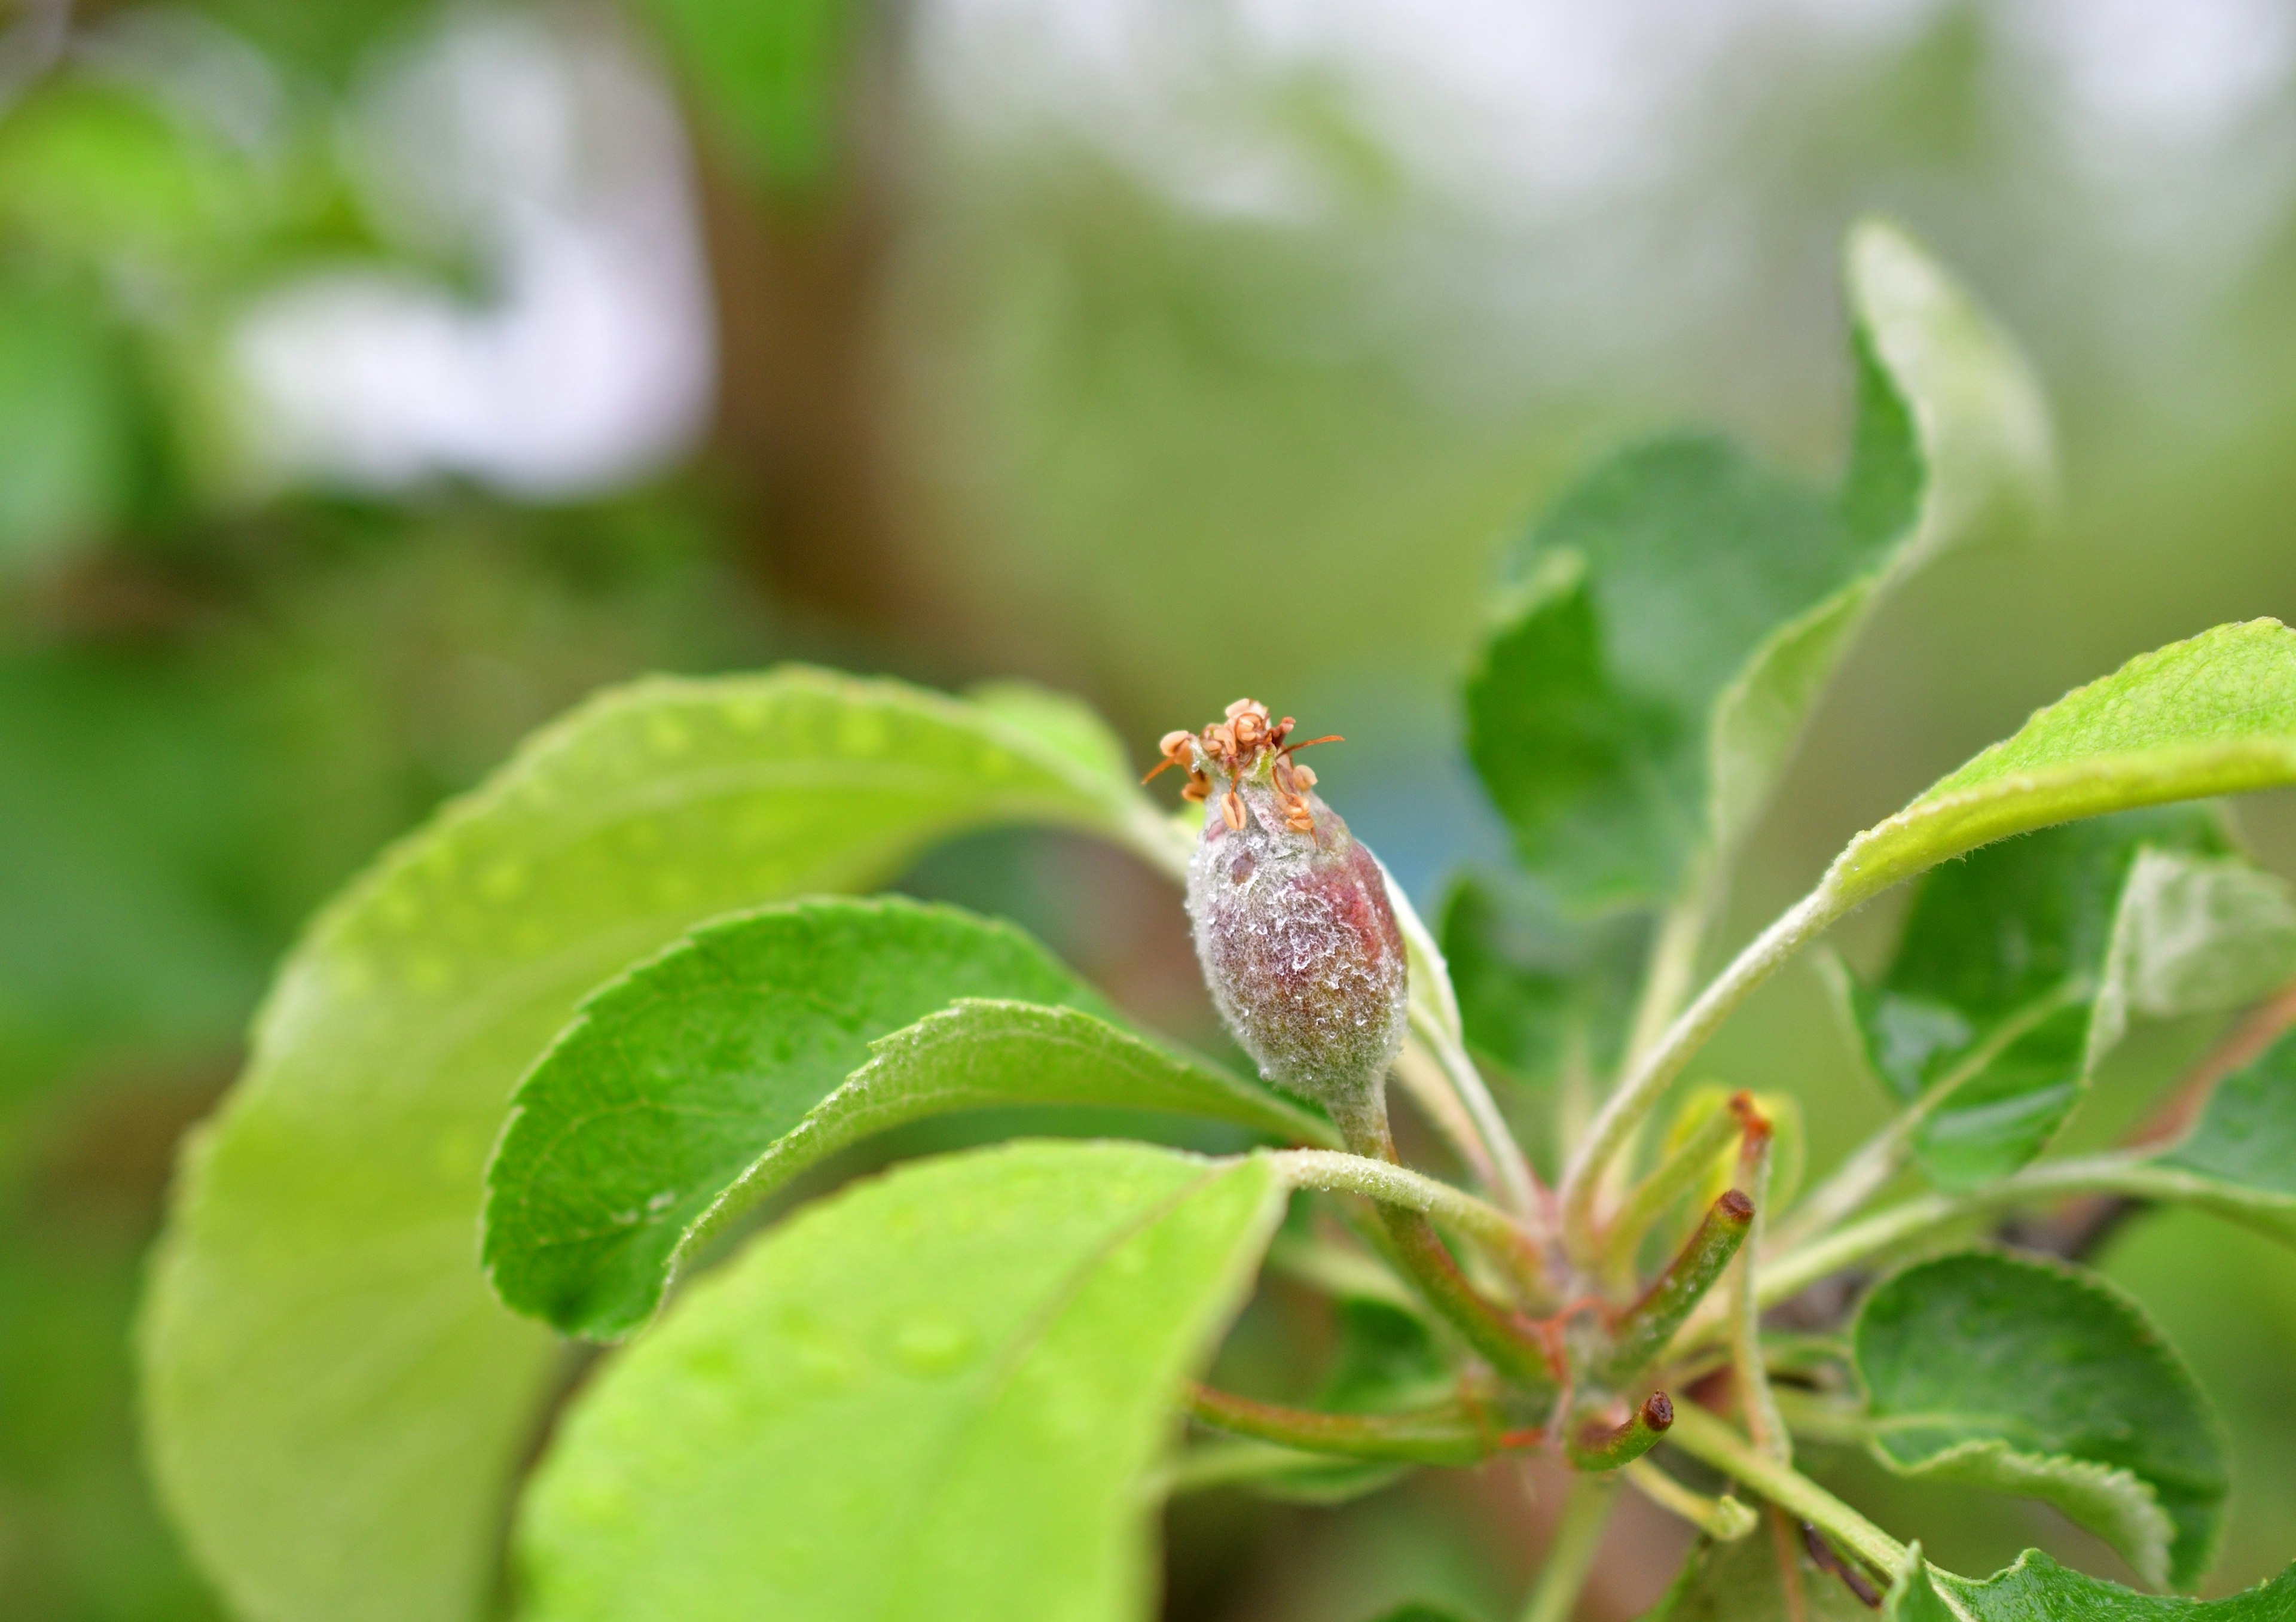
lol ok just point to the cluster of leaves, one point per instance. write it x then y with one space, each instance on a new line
604 1008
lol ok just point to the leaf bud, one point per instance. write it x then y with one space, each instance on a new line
1293 924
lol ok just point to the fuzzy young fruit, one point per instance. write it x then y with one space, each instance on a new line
1293 924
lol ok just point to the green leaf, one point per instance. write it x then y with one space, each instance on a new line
335 1401
2057 1387
1673 618
2036 1589
2243 1145
1536 989
2215 714
2017 969
700 1082
937 1396
1741 1581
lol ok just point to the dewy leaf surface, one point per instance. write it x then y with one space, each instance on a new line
2016 970
1676 616
934 1397
2036 1589
2057 1385
336 1404
653 1109
2215 714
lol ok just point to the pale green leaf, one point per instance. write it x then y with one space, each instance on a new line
335 1401
2056 1385
935 1396
2212 715
1675 618
2195 934
702 1081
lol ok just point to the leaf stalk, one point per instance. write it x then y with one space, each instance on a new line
1647 1080
1712 1442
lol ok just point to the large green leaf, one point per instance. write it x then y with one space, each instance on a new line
1992 1370
2036 1589
336 1404
697 1083
936 1396
1673 618
2018 969
2215 714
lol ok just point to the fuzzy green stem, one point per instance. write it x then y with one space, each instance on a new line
1655 1194
1570 1556
1228 1461
1421 1075
1639 1092
1644 1328
1517 1186
2115 1174
1713 1443
1508 1344
1389 1184
1875 1161
1754 1395
1595 1447
1511 1345
1673 957
1448 1433
1725 1519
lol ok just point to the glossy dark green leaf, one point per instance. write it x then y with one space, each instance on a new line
2017 969
1674 618
2036 1589
2000 1371
937 1397
702 1081
1537 989
334 1401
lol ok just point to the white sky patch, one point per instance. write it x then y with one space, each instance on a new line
539 146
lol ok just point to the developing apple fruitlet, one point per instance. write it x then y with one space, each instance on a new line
1292 922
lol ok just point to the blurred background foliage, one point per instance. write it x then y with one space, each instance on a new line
377 377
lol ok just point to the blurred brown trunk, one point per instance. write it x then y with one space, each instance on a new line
799 417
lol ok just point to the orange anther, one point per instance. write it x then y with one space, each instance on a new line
1232 812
